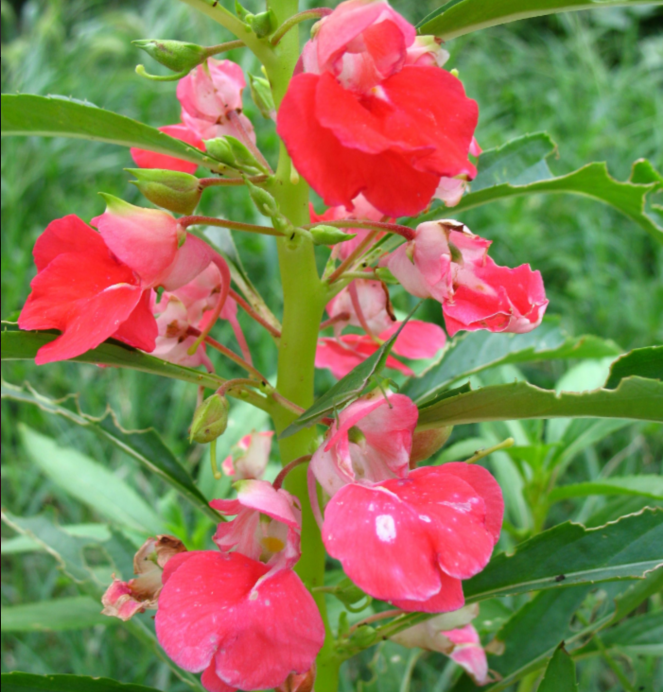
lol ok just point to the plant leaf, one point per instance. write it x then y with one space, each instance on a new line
520 167
55 615
641 635
26 682
18 344
646 486
460 17
570 554
636 398
145 446
477 351
560 675
23 544
90 483
58 116
346 389
644 362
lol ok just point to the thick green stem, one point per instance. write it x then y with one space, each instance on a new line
304 297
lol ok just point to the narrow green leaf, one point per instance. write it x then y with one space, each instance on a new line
58 116
520 167
477 351
54 616
641 635
23 345
636 398
560 674
570 554
646 486
23 544
26 682
347 389
90 483
459 17
144 446
644 362
638 593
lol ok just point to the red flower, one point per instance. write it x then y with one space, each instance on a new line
217 615
411 540
86 292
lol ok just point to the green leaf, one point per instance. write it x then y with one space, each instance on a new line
636 398
23 345
460 17
646 486
54 616
560 674
520 167
644 362
26 682
144 446
570 554
637 636
477 351
637 593
90 483
58 116
23 544
347 389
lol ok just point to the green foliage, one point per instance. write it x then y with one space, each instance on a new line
53 616
560 674
25 682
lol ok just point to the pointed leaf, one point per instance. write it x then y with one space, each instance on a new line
636 398
570 554
23 544
646 486
644 362
459 17
58 116
144 446
520 167
560 674
55 615
477 351
26 682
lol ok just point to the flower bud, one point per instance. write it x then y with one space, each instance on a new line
175 55
385 275
261 93
330 235
210 419
348 593
426 442
298 683
172 190
262 24
363 636
265 203
233 153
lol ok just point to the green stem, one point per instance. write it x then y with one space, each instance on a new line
304 298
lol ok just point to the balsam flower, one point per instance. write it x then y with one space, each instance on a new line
411 540
447 262
361 120
250 456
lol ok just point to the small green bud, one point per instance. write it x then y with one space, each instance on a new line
240 11
175 55
426 442
330 235
233 153
261 93
385 275
210 419
265 203
172 190
348 593
363 636
262 24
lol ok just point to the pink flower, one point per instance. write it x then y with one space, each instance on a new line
416 340
410 540
250 457
150 242
124 599
453 635
211 100
191 305
366 304
85 291
150 159
359 119
427 50
361 210
370 442
218 614
267 526
447 262
451 190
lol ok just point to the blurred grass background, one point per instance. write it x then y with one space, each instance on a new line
594 81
